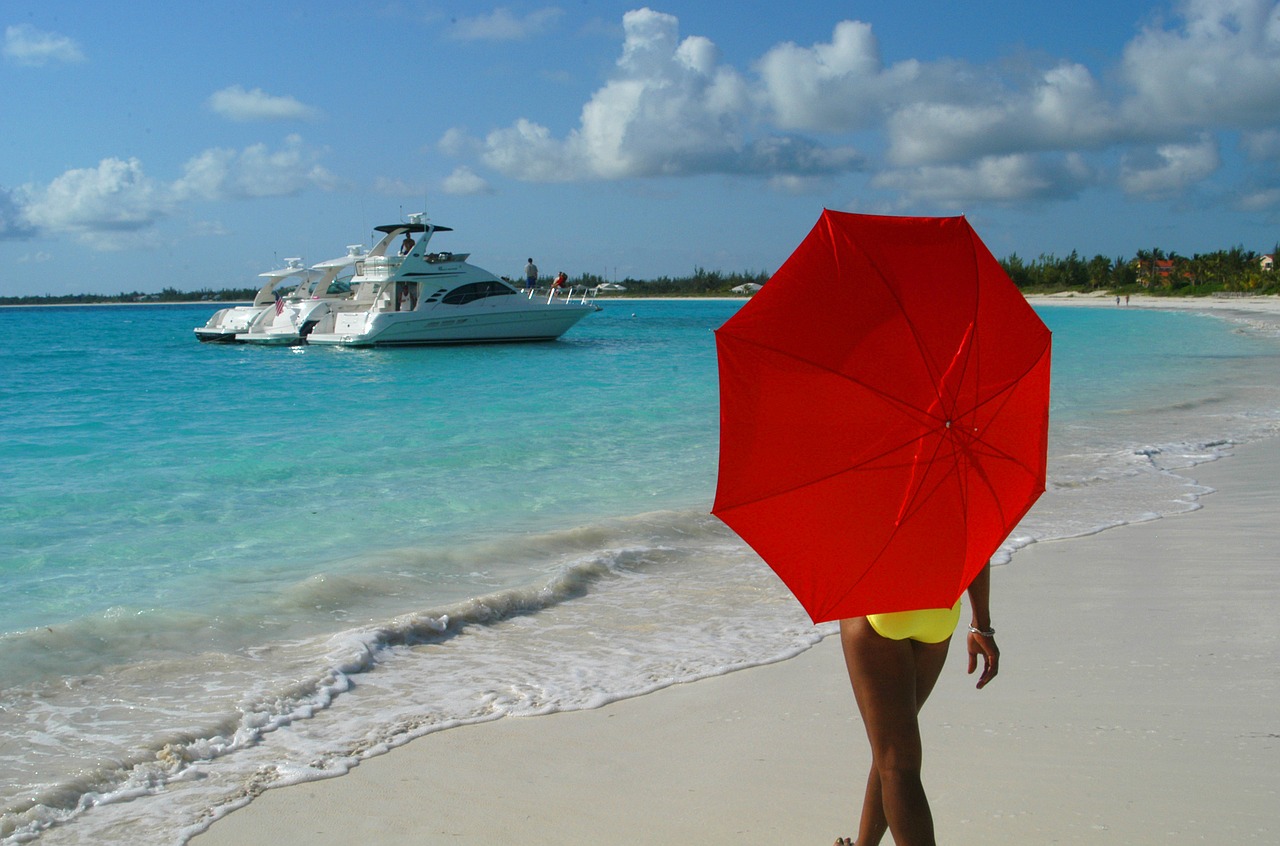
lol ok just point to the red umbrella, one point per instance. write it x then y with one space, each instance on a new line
884 414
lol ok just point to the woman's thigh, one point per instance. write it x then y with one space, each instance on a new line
891 680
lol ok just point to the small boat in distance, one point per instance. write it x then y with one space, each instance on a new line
425 297
226 323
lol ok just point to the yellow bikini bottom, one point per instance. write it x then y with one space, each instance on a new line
928 625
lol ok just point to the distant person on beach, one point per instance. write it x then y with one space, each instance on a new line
893 661
531 275
406 245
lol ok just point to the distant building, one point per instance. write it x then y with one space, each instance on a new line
1268 263
747 288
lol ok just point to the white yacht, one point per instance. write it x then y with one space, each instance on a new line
226 323
295 316
426 297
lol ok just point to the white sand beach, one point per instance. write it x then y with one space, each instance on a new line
1136 704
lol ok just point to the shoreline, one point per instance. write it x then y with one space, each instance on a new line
1267 303
1134 705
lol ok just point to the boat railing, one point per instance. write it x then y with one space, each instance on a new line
565 296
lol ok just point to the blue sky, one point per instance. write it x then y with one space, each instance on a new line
149 145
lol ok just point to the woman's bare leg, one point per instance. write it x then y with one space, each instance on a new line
891 680
872 825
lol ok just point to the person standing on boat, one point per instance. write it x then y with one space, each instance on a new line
407 244
531 275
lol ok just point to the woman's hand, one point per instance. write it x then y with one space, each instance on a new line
985 646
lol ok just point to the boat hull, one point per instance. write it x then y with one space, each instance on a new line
215 336
224 325
430 328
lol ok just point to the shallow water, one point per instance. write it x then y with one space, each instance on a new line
230 567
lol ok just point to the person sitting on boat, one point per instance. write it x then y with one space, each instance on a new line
407 244
560 279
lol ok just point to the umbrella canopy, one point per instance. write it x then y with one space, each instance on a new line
884 414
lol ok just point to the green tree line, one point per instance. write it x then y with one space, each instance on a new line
167 295
1153 271
703 283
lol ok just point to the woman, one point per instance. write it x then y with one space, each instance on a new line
894 661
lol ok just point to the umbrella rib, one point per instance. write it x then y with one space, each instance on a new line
918 500
986 449
915 334
888 541
852 468
989 451
965 347
978 448
1003 396
912 504
920 415
923 417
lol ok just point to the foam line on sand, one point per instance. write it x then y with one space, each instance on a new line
1137 704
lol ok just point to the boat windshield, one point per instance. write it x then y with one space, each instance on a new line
464 294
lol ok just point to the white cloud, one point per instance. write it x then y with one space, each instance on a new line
235 103
1060 110
1261 200
670 109
465 182
1219 67
1222 66
503 25
115 197
456 142
117 204
837 86
13 223
255 171
1262 146
26 45
998 179
527 151
787 184
1170 169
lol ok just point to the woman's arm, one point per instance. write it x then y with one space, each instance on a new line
983 641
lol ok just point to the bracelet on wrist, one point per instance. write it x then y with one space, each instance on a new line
983 632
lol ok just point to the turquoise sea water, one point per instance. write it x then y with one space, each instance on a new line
223 568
